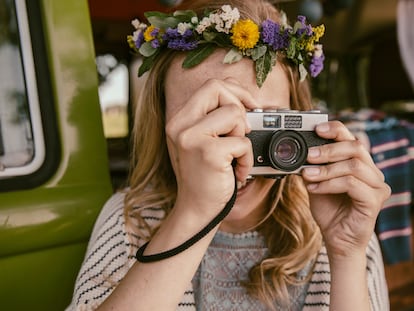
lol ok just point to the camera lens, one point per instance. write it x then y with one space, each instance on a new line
287 150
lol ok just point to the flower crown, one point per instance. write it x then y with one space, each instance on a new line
184 31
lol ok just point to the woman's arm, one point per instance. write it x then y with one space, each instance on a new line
204 135
346 196
161 285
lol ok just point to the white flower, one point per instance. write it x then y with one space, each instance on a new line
218 22
194 20
283 20
226 8
229 14
135 23
227 18
182 27
138 25
318 50
223 21
204 23
135 34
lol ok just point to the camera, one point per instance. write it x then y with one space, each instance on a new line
281 138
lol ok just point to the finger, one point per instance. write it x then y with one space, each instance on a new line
240 148
229 148
334 130
211 95
215 151
353 167
341 151
360 192
228 120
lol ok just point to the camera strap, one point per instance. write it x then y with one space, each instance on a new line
190 242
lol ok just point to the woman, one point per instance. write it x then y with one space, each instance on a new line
297 242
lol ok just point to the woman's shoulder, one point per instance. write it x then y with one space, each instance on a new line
110 213
109 222
115 206
114 211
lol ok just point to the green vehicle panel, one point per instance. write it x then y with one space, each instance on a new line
45 221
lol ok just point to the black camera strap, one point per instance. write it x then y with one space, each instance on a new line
190 242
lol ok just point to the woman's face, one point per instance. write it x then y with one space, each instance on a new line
251 203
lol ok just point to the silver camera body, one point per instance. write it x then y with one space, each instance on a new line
281 138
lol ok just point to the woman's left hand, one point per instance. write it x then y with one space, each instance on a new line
346 190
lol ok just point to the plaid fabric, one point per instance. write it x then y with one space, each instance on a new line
392 149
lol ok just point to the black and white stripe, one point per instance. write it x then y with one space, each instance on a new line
111 252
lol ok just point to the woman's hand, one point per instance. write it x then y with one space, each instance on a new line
204 135
347 193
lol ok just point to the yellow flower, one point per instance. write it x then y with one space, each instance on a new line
245 34
309 45
318 32
131 42
147 33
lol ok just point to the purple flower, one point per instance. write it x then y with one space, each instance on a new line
173 33
155 43
155 32
316 65
188 33
269 29
178 41
140 39
182 45
305 29
301 19
272 35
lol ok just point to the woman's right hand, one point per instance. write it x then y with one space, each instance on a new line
204 135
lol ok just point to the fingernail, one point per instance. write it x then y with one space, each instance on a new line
312 187
323 127
314 152
312 171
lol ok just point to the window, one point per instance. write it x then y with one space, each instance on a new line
22 146
113 95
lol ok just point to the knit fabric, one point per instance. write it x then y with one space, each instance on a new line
110 255
218 282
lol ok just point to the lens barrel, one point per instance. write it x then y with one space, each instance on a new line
287 150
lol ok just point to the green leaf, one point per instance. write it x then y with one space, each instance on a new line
162 20
146 49
302 72
196 56
147 63
223 39
258 52
264 65
291 50
209 36
232 56
297 26
187 14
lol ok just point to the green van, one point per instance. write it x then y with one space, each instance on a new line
54 176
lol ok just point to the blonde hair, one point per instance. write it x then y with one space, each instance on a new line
292 237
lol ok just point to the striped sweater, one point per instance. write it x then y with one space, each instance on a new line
110 254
